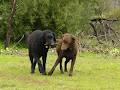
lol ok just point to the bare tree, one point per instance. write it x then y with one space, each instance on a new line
10 22
107 33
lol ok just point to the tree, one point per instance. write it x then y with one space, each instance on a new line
10 23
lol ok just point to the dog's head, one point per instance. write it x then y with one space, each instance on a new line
67 41
49 38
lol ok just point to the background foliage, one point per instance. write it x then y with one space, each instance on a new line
58 15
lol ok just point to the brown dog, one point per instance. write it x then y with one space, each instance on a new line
66 48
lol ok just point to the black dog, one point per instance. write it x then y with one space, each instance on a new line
38 44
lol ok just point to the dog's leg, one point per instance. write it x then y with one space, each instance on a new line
53 68
41 70
34 64
44 63
72 65
31 60
65 69
39 67
61 68
36 60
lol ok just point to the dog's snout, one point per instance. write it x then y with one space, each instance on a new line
52 44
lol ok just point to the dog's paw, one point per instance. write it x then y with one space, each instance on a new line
70 74
49 73
65 71
62 72
44 73
32 72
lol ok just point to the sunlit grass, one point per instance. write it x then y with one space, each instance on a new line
91 72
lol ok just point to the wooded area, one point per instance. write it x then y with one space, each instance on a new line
87 57
94 22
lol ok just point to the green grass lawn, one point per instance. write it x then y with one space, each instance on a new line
91 72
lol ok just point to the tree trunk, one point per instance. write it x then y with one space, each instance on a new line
96 33
10 22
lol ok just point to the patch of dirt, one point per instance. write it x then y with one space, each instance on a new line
25 79
28 79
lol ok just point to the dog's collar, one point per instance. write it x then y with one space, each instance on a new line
46 46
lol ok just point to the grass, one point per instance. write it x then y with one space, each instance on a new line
91 72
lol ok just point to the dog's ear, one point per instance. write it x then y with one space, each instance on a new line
54 36
62 36
73 39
